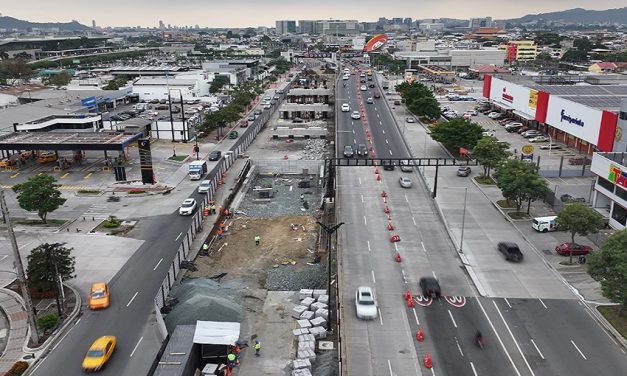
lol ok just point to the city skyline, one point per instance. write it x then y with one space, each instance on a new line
253 13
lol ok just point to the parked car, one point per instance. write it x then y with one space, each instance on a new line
463 171
570 198
579 161
539 139
365 303
348 151
362 149
471 112
565 249
410 119
513 128
397 102
489 133
510 251
531 134
405 182
552 146
494 115
506 121
430 287
187 207
355 115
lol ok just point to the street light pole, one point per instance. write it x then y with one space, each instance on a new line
461 242
329 231
20 271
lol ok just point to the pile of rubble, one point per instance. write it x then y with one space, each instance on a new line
314 149
312 315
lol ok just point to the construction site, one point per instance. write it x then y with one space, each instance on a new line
265 263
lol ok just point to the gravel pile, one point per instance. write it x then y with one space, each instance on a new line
286 200
314 149
292 278
207 300
325 364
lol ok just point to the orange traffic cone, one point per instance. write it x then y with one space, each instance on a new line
384 194
407 295
385 200
376 171
410 303
395 238
397 257
428 362
285 157
378 177
390 227
386 210
420 336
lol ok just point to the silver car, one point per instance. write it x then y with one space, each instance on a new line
365 303
405 182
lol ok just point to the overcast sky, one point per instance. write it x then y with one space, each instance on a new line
241 13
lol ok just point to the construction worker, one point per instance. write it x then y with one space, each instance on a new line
257 347
205 247
302 197
220 234
222 226
257 239
213 208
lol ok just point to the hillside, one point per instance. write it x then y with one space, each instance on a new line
577 16
14 23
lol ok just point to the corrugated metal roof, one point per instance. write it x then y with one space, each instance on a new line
177 352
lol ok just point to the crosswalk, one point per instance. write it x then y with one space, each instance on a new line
97 212
63 188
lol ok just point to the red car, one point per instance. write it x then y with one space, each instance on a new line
564 249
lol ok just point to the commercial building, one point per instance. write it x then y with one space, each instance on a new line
476 23
520 50
336 27
149 88
307 27
451 59
285 27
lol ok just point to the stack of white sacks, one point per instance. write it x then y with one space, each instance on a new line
311 315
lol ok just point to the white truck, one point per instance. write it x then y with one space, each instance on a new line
197 169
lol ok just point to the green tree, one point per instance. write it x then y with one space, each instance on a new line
425 106
457 133
608 265
217 83
575 56
582 44
59 79
116 83
544 56
41 194
47 263
519 182
490 153
578 219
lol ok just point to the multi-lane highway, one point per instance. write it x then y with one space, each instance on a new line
548 333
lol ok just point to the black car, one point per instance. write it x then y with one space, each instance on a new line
430 287
510 251
570 198
371 85
388 165
215 155
362 149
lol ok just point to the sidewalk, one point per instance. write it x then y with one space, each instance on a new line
11 305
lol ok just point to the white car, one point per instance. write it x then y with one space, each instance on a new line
204 186
363 88
552 146
365 303
356 115
345 77
346 107
489 133
405 182
188 207
539 139
494 115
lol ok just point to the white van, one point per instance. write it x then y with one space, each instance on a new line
544 224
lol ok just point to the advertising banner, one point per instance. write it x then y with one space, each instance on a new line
376 42
513 96
573 118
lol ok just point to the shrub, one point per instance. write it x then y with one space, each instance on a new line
18 368
88 191
47 322
112 222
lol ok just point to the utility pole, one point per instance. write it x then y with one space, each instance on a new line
329 230
20 271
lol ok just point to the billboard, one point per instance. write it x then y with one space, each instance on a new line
574 118
376 42
513 96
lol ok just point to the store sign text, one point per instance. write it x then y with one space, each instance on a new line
570 120
506 96
617 175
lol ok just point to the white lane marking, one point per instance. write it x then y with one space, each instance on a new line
390 368
365 221
368 242
416 316
413 220
378 115
380 316
383 130
511 361
159 263
362 199
62 338
390 152
459 347
406 199
291 187
353 131
373 279
354 141
537 349
386 141
474 371
544 305
580 353
423 247
450 314
136 346
507 301
177 238
133 298
513 339
404 276
359 181
380 123
432 372
395 247
434 276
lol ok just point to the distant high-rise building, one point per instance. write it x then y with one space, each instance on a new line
476 23
397 20
93 24
161 25
285 27
196 26
337 27
407 21
306 27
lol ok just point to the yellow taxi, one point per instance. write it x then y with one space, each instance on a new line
99 296
7 162
99 353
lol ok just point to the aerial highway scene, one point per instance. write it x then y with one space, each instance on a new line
257 188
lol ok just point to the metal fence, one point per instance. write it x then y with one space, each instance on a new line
287 167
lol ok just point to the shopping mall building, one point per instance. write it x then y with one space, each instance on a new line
587 118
